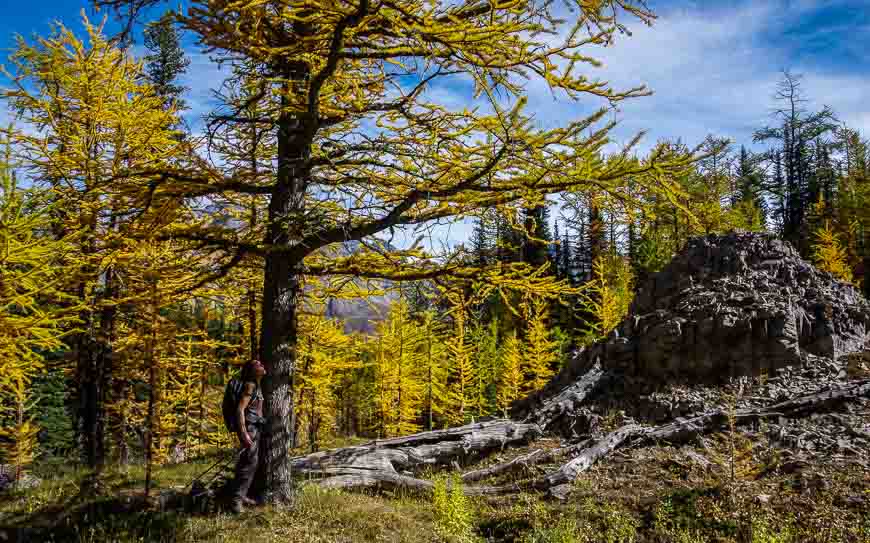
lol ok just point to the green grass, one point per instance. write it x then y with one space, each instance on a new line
641 500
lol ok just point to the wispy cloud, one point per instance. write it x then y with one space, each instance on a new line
202 78
714 70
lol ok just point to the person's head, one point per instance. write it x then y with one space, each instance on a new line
253 370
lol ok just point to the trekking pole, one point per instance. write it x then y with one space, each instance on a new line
221 462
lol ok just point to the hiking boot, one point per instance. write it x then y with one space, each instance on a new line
249 502
237 507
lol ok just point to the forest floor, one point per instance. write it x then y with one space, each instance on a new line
728 488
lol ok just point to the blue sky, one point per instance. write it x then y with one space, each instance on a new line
712 65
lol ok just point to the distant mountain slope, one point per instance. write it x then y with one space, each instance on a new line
360 314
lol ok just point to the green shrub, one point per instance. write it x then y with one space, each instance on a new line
564 531
454 516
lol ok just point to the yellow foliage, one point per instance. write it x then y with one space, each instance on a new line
608 295
20 447
745 215
399 380
325 352
435 368
540 351
461 377
189 398
34 312
830 255
100 121
510 382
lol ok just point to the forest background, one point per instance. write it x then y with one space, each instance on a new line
123 314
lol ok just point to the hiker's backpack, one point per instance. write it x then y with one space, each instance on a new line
230 406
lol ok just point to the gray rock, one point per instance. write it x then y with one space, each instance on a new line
734 322
740 304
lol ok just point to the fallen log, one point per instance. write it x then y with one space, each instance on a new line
526 462
518 464
390 464
682 430
563 408
587 457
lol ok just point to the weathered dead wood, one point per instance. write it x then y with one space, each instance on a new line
685 429
561 409
347 478
526 462
682 430
584 460
518 464
390 463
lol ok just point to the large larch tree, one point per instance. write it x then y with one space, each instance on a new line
364 146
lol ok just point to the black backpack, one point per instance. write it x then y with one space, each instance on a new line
230 406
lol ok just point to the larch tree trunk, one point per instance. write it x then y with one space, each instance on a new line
88 368
281 294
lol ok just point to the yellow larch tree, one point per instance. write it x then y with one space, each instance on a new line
607 296
325 352
510 380
399 382
191 400
830 254
829 251
34 311
155 273
98 121
435 364
184 385
540 350
485 341
404 341
461 392
363 146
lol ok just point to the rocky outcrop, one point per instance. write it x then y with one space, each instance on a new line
733 305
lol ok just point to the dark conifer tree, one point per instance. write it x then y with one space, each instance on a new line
536 242
556 253
568 257
481 240
167 61
750 182
797 132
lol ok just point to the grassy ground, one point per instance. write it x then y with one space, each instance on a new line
657 494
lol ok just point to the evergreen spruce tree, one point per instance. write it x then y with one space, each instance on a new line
536 239
166 61
797 131
749 205
556 254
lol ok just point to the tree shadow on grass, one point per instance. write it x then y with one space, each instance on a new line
113 514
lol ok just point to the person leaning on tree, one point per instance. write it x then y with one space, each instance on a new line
250 429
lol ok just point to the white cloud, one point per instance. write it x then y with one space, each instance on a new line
711 71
